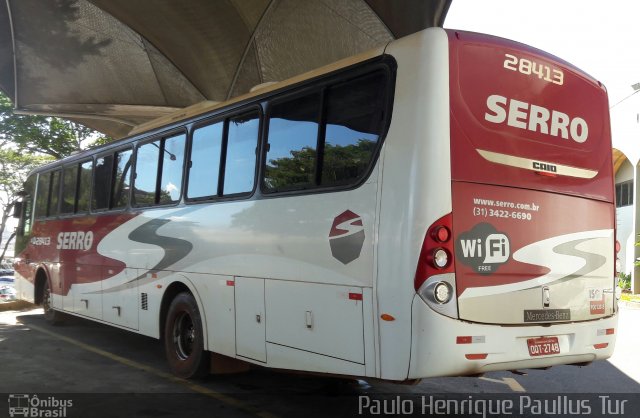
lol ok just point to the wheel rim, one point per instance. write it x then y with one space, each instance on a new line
46 300
184 336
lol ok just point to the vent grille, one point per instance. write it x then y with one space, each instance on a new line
144 304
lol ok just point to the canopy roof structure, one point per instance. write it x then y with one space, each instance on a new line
115 64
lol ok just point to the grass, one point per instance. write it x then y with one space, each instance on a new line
628 297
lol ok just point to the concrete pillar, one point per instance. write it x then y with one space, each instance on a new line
635 275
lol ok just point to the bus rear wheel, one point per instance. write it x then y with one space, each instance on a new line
183 338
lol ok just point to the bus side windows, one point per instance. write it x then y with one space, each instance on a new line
159 169
223 157
172 164
69 185
121 179
102 170
24 228
54 193
84 187
146 177
206 151
42 198
309 147
240 161
48 194
354 125
293 133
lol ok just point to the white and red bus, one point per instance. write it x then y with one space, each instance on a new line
439 206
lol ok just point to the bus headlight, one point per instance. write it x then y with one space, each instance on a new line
442 292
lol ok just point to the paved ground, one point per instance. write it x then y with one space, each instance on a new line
125 374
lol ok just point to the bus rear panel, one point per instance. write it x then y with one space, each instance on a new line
531 257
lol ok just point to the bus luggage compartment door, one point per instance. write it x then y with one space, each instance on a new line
250 318
317 318
87 290
120 297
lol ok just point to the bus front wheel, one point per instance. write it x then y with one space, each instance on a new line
183 338
50 315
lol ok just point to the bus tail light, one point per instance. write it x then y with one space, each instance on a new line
435 278
436 256
440 258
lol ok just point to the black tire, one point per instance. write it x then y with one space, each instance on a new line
183 338
50 315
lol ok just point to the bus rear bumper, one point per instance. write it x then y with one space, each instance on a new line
437 350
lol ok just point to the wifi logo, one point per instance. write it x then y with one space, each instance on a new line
483 248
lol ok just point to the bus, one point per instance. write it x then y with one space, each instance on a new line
440 206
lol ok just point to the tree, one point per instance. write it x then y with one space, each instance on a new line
340 162
14 167
44 135
27 142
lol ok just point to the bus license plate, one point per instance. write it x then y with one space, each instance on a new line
543 346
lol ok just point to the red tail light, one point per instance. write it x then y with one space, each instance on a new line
438 237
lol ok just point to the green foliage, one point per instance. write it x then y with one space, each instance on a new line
14 167
29 141
339 163
624 281
43 135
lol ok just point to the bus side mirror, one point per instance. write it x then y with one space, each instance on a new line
17 209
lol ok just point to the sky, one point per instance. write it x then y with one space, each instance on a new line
602 38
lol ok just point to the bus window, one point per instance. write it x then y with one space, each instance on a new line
354 124
242 140
84 188
293 133
27 206
42 198
69 183
146 173
101 177
172 164
206 148
122 178
54 194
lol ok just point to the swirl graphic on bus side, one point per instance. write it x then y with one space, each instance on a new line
346 237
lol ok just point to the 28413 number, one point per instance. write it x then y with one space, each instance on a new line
528 67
